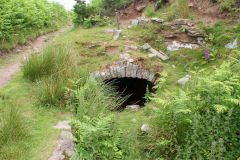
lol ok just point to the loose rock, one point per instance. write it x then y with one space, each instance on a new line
232 45
157 20
184 80
159 54
146 46
116 34
145 128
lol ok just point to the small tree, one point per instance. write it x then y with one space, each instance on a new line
82 11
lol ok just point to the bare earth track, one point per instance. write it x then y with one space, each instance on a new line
38 44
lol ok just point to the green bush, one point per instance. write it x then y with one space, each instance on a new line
21 20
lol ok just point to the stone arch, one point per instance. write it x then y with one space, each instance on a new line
125 70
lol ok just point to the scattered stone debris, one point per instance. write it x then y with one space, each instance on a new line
174 46
154 52
232 45
157 20
65 147
116 34
184 80
145 128
146 46
133 107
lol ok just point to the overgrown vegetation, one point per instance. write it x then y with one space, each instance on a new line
21 20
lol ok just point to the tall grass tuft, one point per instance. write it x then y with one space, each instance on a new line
52 70
13 131
49 62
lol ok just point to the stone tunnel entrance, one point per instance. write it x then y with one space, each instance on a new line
134 88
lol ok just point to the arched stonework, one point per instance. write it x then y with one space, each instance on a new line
124 70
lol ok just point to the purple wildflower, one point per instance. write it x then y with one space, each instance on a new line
207 53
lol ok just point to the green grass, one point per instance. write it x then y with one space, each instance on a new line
37 137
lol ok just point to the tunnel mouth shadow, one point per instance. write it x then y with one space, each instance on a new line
133 89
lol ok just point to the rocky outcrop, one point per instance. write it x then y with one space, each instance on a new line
123 70
181 33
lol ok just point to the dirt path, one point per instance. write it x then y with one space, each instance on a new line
7 71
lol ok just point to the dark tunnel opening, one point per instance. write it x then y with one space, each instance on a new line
133 87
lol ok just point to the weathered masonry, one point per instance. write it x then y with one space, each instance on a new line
125 70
